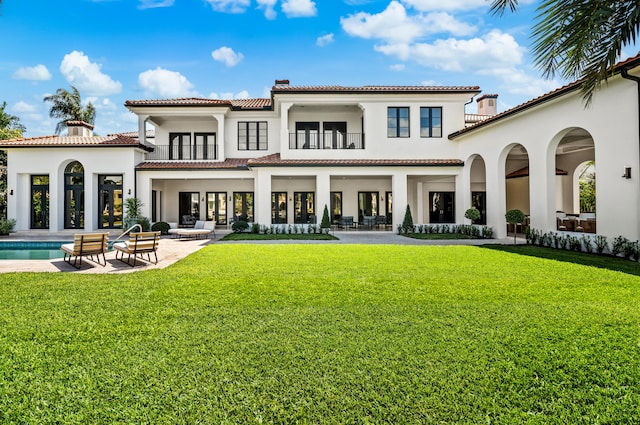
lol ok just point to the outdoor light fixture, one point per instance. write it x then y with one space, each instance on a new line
11 192
626 172
129 192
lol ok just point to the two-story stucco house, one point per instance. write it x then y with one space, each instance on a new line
364 151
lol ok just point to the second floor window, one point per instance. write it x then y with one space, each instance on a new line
179 145
431 122
252 135
398 122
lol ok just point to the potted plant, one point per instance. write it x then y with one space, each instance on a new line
133 214
515 217
472 214
325 224
6 226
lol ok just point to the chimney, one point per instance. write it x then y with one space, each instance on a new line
79 128
488 104
282 83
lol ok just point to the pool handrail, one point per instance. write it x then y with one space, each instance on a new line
138 225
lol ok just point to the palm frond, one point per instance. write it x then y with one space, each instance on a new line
498 7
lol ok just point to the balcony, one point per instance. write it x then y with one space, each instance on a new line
326 140
183 153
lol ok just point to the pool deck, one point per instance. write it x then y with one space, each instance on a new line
171 250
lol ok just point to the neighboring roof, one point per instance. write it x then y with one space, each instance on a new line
81 123
274 160
151 134
524 172
186 101
227 164
568 88
280 88
475 118
116 140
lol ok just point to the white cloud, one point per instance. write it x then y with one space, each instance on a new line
394 25
230 95
151 4
397 67
494 50
164 83
430 83
324 40
435 5
86 76
268 6
35 73
227 56
229 6
24 107
517 81
299 8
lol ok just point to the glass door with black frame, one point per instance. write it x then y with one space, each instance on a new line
441 207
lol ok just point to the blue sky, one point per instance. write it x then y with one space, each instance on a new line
116 50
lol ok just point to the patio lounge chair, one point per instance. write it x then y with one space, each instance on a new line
86 245
138 244
200 229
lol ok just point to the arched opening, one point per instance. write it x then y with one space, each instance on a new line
74 196
575 182
478 180
517 193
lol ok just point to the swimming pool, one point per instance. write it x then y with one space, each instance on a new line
31 250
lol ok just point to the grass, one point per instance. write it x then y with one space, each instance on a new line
439 236
281 236
324 334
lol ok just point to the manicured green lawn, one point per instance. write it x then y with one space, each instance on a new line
279 236
240 333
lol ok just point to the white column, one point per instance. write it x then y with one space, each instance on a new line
419 217
220 136
56 199
142 128
323 194
143 191
262 197
400 198
463 192
542 194
90 201
284 129
496 195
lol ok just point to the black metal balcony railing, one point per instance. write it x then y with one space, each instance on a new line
328 140
174 152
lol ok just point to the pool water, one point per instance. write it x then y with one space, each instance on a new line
47 250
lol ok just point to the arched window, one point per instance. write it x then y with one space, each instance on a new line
74 196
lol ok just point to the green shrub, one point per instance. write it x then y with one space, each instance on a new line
472 214
7 226
239 226
407 223
162 226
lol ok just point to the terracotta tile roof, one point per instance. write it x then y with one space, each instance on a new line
227 164
274 160
627 64
151 134
114 140
374 89
257 103
251 103
524 172
82 123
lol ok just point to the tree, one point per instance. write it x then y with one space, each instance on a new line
10 128
67 105
580 40
515 217
407 223
326 222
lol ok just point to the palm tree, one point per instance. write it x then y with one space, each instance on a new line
580 40
68 107
10 125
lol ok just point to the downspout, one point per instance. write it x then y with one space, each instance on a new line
625 74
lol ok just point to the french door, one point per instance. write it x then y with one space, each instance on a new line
39 202
441 208
304 203
189 207
110 189
479 201
217 207
243 206
278 207
74 196
368 204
